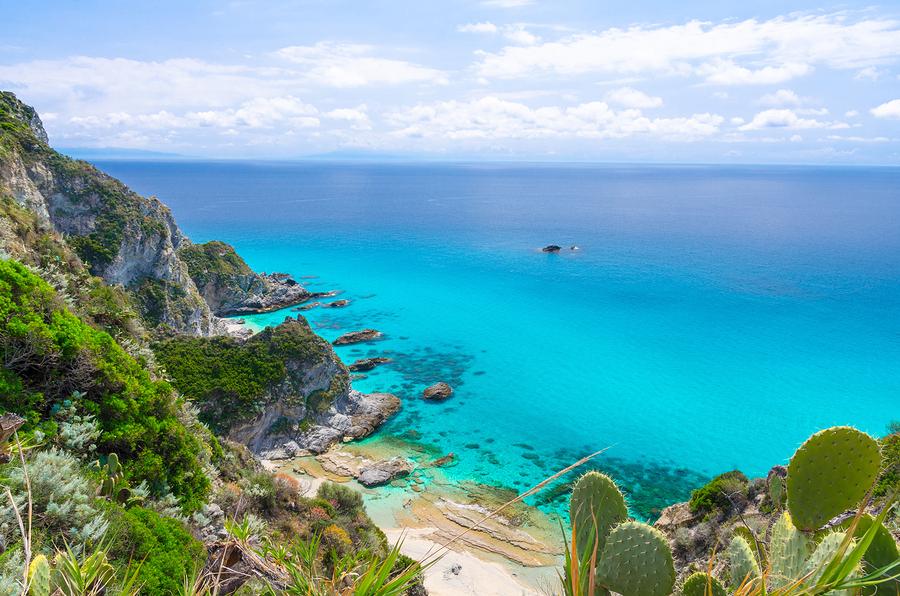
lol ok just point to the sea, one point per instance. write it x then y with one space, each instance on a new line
697 319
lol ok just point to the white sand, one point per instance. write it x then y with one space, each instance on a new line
474 576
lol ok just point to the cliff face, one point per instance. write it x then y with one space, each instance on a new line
126 239
282 392
230 287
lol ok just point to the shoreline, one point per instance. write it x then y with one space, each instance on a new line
519 548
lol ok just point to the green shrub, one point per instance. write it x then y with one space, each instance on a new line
228 378
716 494
346 501
48 353
163 544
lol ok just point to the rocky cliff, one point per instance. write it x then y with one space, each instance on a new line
123 264
122 237
230 287
282 392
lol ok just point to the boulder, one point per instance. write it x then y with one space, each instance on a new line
365 364
355 337
552 248
382 472
336 304
438 391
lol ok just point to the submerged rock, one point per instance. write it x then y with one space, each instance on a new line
551 248
444 461
438 391
336 304
384 471
358 336
365 364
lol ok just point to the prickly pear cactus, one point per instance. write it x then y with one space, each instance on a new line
776 485
788 550
881 552
742 562
829 474
636 561
39 576
595 508
820 558
701 584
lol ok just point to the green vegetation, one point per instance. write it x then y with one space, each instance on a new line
889 478
49 353
229 378
717 493
164 548
117 210
212 260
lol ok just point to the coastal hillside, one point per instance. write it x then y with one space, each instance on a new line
150 446
98 301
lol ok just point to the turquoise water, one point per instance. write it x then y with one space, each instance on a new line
712 319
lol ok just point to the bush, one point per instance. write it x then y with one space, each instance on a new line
167 550
346 501
228 378
718 492
49 353
63 500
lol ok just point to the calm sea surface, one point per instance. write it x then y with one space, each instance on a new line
712 319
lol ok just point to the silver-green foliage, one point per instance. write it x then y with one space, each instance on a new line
62 498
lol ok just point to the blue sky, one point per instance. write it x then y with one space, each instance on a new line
662 81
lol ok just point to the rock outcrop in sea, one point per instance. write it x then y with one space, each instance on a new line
355 337
230 287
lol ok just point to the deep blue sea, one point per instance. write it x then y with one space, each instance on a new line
712 319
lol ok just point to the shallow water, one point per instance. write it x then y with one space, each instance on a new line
713 317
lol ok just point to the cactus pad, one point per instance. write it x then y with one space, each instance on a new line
742 562
823 554
881 552
788 550
829 474
39 577
701 584
595 508
636 561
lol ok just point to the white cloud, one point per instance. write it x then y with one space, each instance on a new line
727 72
353 65
851 113
890 109
486 27
785 118
358 116
730 52
782 97
493 118
856 139
869 73
632 98
519 35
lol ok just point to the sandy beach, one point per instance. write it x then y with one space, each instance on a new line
515 553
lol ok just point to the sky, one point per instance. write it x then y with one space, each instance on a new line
709 81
